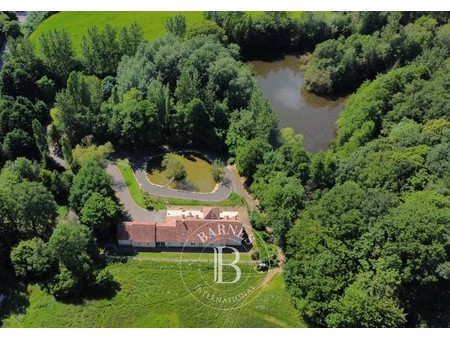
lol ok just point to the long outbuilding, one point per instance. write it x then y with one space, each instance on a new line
199 227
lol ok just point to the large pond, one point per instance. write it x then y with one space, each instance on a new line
308 114
198 170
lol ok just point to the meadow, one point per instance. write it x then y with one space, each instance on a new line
76 23
153 295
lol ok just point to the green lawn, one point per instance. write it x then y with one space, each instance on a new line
132 184
76 23
174 255
188 255
152 295
155 202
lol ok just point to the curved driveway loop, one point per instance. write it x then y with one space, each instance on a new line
223 191
133 211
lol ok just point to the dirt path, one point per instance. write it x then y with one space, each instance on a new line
270 275
238 182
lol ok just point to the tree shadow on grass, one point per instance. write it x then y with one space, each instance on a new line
106 289
16 297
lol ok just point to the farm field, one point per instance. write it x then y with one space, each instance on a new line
152 295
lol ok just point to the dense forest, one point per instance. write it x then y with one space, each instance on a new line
365 225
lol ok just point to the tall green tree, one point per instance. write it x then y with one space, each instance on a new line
102 215
31 260
176 25
90 178
137 124
21 69
100 51
258 120
74 248
59 56
250 155
129 39
174 167
67 149
217 170
41 140
19 143
35 211
78 107
189 120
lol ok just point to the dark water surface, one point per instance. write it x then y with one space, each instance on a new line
308 114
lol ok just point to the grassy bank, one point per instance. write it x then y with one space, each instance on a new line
145 200
152 295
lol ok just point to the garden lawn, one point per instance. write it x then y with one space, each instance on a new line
152 295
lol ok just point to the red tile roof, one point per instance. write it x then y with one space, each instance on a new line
166 234
211 213
211 231
137 231
181 231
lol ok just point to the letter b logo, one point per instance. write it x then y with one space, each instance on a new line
218 264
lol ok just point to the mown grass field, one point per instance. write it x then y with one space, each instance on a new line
169 255
153 23
76 23
152 295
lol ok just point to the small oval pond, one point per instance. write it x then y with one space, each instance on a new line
198 173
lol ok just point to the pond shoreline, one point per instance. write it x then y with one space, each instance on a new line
313 116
